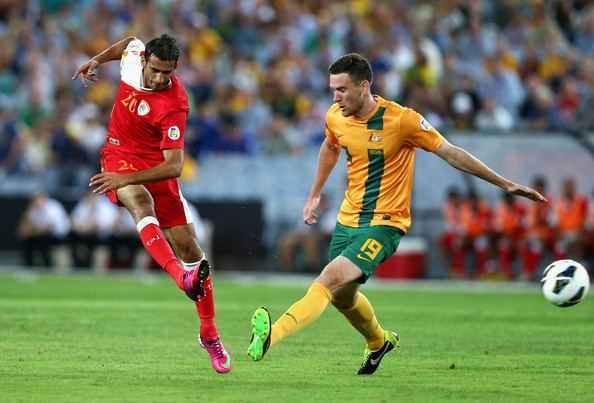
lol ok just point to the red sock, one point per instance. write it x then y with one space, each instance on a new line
157 246
206 312
205 307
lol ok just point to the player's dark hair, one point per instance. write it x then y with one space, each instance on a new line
355 65
164 48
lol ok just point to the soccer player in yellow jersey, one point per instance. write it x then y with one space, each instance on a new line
379 139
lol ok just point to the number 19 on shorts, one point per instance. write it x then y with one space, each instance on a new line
371 248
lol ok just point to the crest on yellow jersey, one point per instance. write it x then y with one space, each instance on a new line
375 138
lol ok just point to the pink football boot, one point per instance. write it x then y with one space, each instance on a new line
220 359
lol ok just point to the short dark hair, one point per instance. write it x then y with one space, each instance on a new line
354 65
164 48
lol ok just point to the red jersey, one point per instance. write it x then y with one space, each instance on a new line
144 122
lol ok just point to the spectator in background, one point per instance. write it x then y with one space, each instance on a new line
476 41
555 58
232 138
477 219
44 224
279 137
571 210
202 131
505 55
124 244
493 117
38 154
452 240
502 84
568 105
10 73
528 67
309 240
34 112
85 128
422 73
508 225
584 37
92 220
537 111
585 84
11 145
464 103
539 236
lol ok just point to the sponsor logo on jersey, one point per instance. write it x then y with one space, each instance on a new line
143 108
173 133
425 125
113 141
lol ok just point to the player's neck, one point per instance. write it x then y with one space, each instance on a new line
368 105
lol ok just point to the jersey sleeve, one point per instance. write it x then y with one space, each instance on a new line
330 135
131 64
173 128
418 132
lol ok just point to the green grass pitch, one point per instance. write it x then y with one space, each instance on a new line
95 339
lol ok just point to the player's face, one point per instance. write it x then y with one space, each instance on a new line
347 94
157 73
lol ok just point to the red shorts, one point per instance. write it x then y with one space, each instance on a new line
170 206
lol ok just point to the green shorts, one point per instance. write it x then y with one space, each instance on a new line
366 247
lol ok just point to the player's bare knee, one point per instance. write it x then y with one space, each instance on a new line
332 278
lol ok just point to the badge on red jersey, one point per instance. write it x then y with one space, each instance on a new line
143 108
173 133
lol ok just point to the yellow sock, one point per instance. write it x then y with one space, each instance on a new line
301 313
362 317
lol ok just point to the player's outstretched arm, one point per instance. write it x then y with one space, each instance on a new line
466 162
114 52
326 161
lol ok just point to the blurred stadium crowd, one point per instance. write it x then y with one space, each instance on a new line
256 73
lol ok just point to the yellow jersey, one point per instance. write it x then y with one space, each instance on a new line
380 153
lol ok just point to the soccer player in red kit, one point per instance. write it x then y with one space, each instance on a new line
140 163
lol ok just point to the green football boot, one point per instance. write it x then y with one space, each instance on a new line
261 329
374 358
